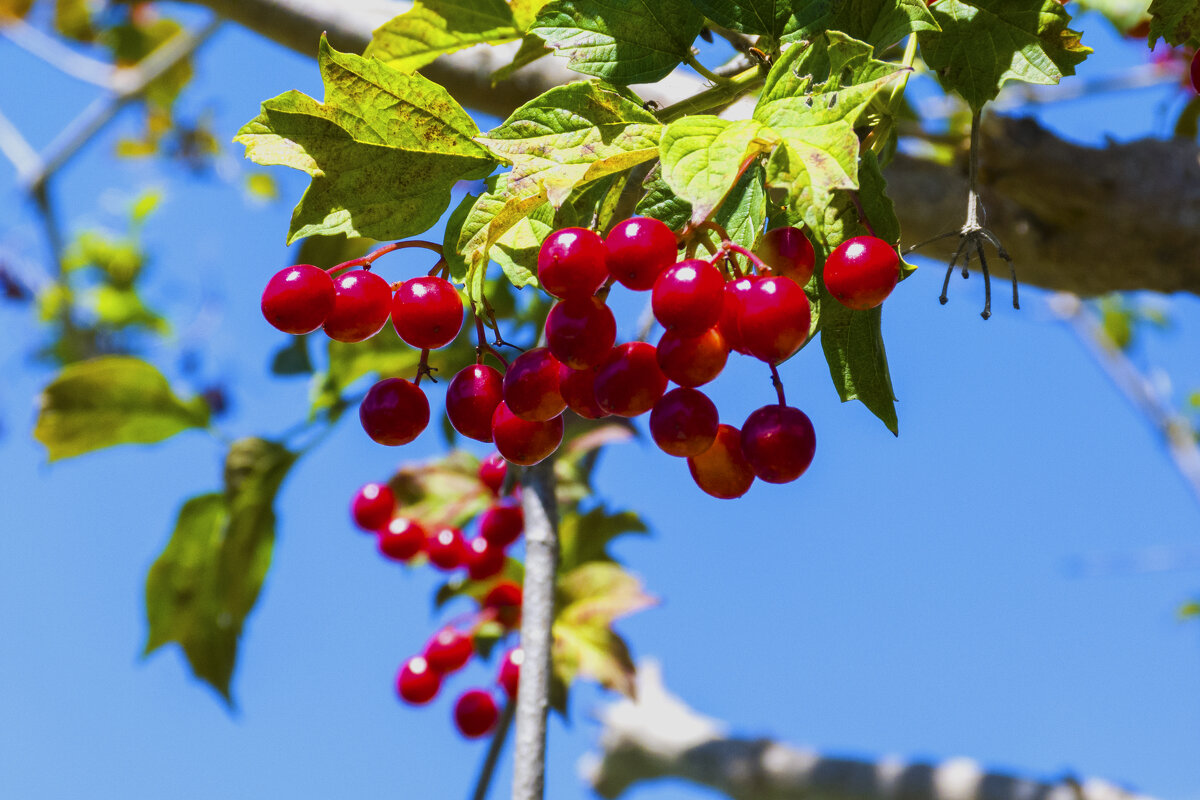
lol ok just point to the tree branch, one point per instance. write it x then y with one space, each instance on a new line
537 618
1077 219
658 736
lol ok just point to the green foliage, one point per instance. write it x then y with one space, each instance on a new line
880 23
621 41
703 157
986 43
1123 14
207 579
767 17
109 401
435 27
1177 21
383 150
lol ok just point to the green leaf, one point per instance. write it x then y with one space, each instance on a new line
879 23
584 538
446 491
513 571
383 150
525 11
435 27
121 307
661 203
490 218
767 17
292 358
1177 21
744 211
14 9
108 401
853 345
572 135
532 48
73 19
207 579
703 156
986 43
1189 610
517 250
622 41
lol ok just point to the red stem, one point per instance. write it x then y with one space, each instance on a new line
775 379
367 260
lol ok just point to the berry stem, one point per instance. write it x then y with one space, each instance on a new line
482 345
366 261
495 747
537 616
424 370
778 382
759 266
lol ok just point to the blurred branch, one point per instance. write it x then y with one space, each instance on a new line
17 149
658 736
1176 431
57 54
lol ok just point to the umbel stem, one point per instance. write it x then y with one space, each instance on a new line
537 616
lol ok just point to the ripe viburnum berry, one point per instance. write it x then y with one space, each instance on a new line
571 263
471 399
788 252
373 506
417 683
449 650
298 299
639 249
427 312
861 272
721 470
475 713
778 442
510 671
361 303
394 412
523 442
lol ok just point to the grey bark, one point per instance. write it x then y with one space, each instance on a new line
657 736
1076 219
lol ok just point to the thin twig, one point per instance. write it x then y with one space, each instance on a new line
495 747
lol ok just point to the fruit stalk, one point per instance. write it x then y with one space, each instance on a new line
537 616
493 753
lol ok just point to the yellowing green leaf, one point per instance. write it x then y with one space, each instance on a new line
108 401
432 28
703 156
1177 21
879 23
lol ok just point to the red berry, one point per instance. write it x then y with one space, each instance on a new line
510 671
692 360
638 250
505 600
523 442
492 471
531 386
571 263
446 548
449 650
471 399
721 470
402 539
684 422
580 331
578 387
779 443
774 319
731 311
475 713
394 412
298 299
630 382
862 272
484 559
417 683
788 252
502 524
372 506
427 312
688 297
361 303
1196 71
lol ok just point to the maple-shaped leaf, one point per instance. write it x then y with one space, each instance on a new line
1177 21
984 44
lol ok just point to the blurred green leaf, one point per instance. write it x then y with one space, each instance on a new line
292 358
1177 21
73 19
432 28
585 537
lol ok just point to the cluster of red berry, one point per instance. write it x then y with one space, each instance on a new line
403 539
708 307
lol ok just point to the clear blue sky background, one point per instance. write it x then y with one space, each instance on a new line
909 596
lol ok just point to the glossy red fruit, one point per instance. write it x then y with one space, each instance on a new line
578 387
484 559
417 683
731 311
721 470
502 524
361 303
298 299
688 297
523 442
394 412
862 272
373 506
402 539
492 471
629 382
449 650
427 312
505 600
684 422
446 548
639 249
788 252
571 263
531 388
510 672
692 360
475 713
471 399
779 443
774 319
580 331
1196 71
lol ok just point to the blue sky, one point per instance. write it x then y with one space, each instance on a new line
907 596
